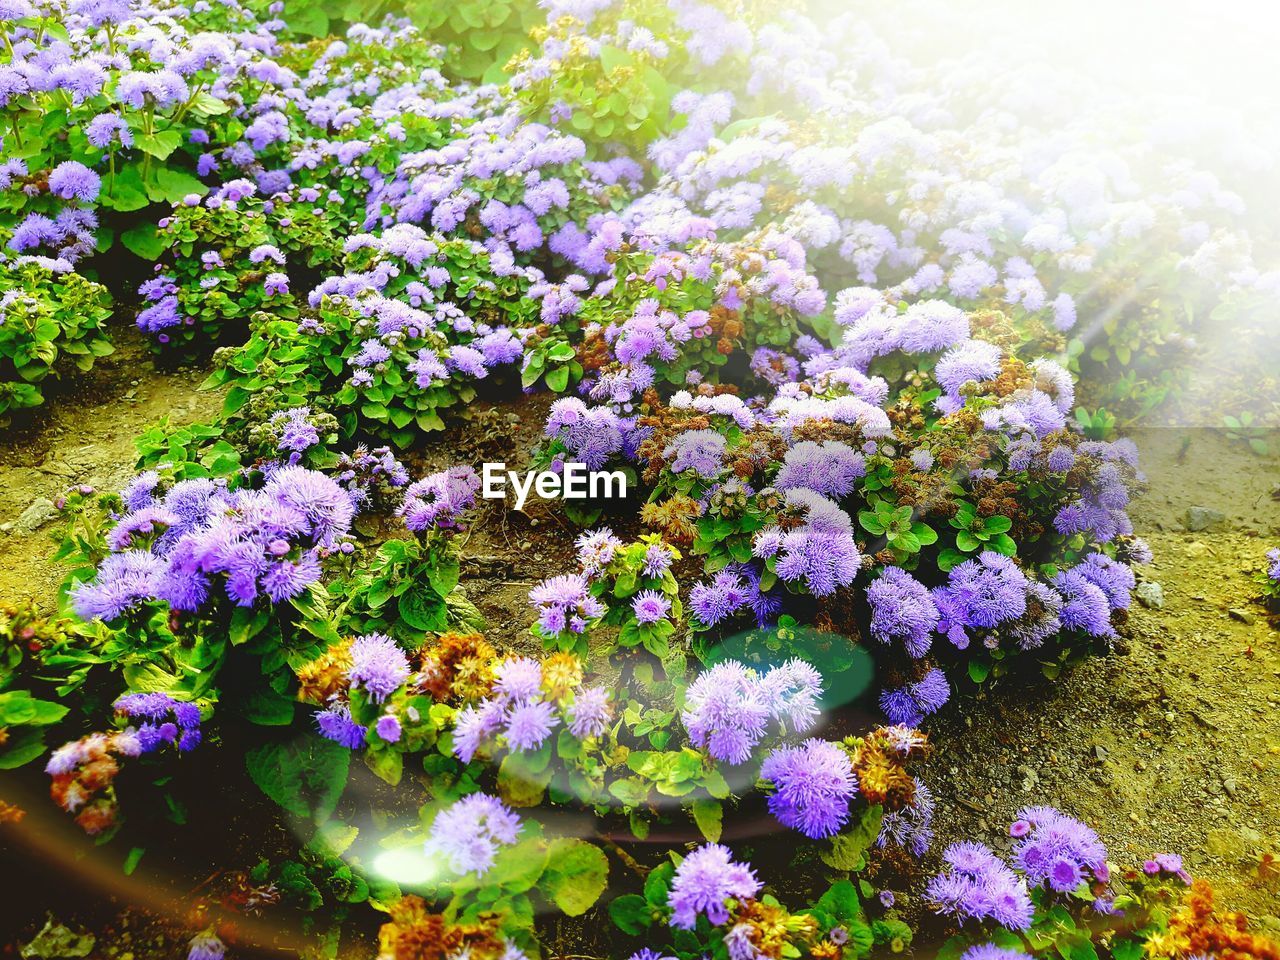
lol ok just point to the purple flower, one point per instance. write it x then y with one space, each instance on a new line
902 609
335 724
989 951
378 665
704 881
596 550
909 705
1084 605
388 728
518 678
589 714
725 712
911 827
206 946
701 451
650 606
74 181
529 723
470 833
565 603
813 784
1058 850
830 468
979 886
437 500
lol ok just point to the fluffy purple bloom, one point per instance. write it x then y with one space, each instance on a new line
822 553
388 728
911 704
470 833
378 665
704 881
596 550
989 951
1084 605
725 713
724 596
1113 578
981 593
813 784
910 828
74 181
649 606
518 678
437 500
565 603
529 723
589 713
902 609
791 692
979 886
701 451
1058 850
830 468
206 946
335 724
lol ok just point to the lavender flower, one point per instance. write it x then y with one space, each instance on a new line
590 712
704 881
470 833
1057 850
725 712
902 609
378 665
979 886
813 784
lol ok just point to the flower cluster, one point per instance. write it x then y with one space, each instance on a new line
181 546
728 709
469 833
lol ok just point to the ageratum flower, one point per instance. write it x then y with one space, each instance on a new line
74 181
705 880
910 828
650 606
989 951
979 886
565 603
813 784
378 665
437 501
725 712
335 723
829 468
469 834
1057 850
590 712
902 609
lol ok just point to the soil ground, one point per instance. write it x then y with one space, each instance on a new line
1170 744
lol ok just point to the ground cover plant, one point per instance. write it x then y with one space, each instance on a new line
855 345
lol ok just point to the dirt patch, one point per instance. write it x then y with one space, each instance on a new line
84 434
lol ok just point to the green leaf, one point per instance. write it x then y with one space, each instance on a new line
521 780
422 608
159 144
305 776
709 816
516 869
144 241
967 541
576 875
979 670
631 913
172 186
558 379
132 860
